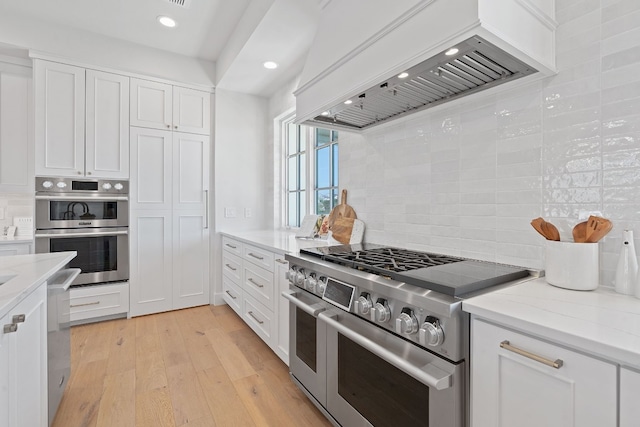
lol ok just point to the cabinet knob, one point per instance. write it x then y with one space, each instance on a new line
175 127
79 173
168 126
88 173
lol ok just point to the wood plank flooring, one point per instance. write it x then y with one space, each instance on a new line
198 367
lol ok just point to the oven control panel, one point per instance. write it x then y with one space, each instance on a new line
72 185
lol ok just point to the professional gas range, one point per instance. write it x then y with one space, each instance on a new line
400 311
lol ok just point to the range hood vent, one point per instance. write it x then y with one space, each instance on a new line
478 65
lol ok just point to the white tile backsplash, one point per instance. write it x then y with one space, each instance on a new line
15 205
467 178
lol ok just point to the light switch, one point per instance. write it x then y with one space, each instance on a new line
247 212
230 212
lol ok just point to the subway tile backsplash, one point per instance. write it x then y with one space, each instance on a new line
15 205
466 178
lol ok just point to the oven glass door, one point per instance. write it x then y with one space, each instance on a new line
73 211
103 254
376 378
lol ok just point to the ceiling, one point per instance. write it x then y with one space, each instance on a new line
239 35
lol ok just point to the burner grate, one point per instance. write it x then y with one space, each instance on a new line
388 260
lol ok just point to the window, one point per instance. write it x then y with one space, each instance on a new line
311 172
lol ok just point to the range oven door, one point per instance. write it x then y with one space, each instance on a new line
307 356
103 253
75 211
375 378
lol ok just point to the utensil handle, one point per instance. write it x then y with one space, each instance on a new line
343 199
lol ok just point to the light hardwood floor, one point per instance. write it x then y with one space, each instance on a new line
197 367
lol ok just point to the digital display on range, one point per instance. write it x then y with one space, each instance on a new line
84 185
338 293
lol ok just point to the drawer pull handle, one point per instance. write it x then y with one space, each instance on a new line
19 318
85 304
255 283
557 364
255 318
256 256
230 268
231 295
12 327
231 246
281 261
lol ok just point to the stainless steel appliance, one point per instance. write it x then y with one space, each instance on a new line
58 336
87 216
377 334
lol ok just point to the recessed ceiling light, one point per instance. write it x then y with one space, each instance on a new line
166 21
403 75
348 101
451 51
325 113
270 65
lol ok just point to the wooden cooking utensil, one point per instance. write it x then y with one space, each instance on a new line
550 231
343 210
341 229
597 228
537 225
580 232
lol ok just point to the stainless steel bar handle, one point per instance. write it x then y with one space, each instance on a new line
230 267
83 198
428 374
206 209
85 304
231 246
12 327
231 295
255 283
18 318
98 234
256 256
557 364
313 310
255 318
69 275
281 261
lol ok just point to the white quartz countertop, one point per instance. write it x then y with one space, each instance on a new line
29 272
601 322
283 241
4 240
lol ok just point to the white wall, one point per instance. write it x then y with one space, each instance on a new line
467 178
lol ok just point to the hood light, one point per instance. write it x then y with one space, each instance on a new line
348 101
166 21
451 51
403 75
325 113
270 65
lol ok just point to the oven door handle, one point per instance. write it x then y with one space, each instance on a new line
84 198
313 310
428 374
67 276
97 234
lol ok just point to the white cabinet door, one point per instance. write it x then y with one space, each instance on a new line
510 389
15 249
629 398
151 171
107 125
151 283
16 135
190 259
23 363
151 104
190 171
191 111
59 119
282 309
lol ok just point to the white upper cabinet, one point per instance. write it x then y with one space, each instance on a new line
151 170
82 122
16 135
190 171
107 125
162 106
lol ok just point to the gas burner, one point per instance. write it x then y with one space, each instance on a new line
386 260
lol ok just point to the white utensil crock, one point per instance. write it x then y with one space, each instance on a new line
572 265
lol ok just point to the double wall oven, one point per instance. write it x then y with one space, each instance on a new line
373 344
90 217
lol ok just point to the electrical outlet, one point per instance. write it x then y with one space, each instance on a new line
248 213
230 212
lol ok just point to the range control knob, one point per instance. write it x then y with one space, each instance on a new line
311 282
322 285
300 278
61 184
364 303
47 184
407 323
381 312
118 186
431 333
106 186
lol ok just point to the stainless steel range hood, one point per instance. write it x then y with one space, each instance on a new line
468 54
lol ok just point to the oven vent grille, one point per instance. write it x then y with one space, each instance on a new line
186 4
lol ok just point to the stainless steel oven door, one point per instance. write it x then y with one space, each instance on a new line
75 211
307 356
375 378
103 253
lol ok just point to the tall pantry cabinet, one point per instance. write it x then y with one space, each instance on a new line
169 197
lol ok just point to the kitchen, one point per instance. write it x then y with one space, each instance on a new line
464 178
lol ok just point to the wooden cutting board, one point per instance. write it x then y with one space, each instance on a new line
341 229
343 210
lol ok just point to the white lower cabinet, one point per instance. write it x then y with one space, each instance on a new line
259 318
282 308
23 362
513 382
15 249
629 398
95 302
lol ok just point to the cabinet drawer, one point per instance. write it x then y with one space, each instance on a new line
97 301
232 266
232 246
258 318
259 283
259 257
232 294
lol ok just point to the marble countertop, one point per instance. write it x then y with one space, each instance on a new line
28 272
283 241
601 322
4 240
